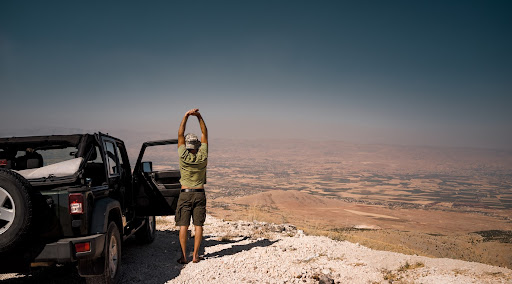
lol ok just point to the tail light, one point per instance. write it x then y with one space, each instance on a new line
83 247
3 162
76 203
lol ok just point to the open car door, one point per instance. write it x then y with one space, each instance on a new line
157 187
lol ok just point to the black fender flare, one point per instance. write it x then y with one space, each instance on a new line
104 210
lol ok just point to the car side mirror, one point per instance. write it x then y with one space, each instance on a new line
147 167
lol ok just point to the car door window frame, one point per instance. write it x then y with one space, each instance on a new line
110 169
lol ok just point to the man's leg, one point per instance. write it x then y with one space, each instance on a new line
197 242
199 215
183 243
182 217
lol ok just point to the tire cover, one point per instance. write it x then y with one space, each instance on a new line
16 214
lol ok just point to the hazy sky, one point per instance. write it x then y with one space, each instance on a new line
400 72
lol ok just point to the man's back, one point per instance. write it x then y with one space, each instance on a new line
193 166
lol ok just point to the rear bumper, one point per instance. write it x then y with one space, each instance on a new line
63 250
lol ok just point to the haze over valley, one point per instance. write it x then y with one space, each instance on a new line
433 201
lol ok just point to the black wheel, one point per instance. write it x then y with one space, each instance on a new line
146 234
16 216
112 258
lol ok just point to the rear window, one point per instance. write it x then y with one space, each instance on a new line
53 156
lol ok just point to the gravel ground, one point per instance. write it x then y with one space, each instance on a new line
254 252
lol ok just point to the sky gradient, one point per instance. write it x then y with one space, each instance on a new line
397 72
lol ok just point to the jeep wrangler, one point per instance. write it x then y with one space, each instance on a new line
74 199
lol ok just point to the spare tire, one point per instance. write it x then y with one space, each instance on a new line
16 215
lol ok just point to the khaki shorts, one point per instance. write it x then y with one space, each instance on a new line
191 204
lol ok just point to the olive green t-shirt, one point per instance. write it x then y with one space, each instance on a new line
193 166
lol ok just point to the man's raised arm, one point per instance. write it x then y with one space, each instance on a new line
204 130
183 125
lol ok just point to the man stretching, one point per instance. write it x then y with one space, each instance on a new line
192 201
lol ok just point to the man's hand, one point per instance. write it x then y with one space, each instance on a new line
194 112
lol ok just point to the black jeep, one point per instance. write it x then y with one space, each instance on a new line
74 198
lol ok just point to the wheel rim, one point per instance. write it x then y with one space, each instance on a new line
112 256
7 210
